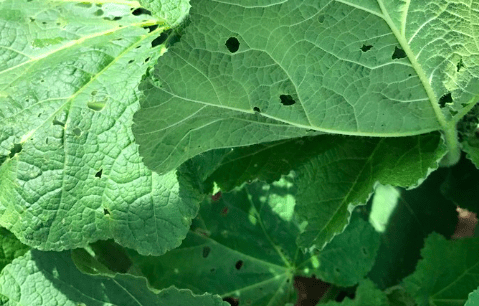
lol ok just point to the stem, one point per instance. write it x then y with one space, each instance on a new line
452 142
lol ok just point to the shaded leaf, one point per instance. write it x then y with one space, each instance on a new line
366 294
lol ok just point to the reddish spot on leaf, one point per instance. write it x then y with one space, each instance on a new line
224 211
216 196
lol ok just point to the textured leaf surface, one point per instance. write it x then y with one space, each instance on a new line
257 71
171 12
10 248
243 246
48 278
344 174
366 295
416 214
72 173
448 272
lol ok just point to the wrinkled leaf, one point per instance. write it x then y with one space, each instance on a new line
252 72
10 248
448 272
72 173
171 12
49 278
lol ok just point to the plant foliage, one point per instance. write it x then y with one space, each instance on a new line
175 152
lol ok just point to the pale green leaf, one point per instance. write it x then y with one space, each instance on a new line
72 173
343 176
49 278
448 272
171 12
248 72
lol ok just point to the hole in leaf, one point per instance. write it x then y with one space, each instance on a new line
98 13
56 122
117 18
366 48
32 19
44 22
447 98
287 100
365 252
17 148
96 105
337 271
151 28
140 11
106 211
99 173
130 61
76 131
224 211
232 44
321 18
206 251
232 301
239 264
398 53
256 109
460 65
159 40
147 60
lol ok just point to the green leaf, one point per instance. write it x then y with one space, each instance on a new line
473 299
171 12
349 256
49 278
447 273
10 248
331 184
72 173
398 296
409 220
249 73
366 295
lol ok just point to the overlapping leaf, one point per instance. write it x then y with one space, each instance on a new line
50 278
10 248
447 273
247 73
72 174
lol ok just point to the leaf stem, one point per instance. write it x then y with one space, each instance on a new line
452 142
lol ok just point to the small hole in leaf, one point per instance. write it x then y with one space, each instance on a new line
224 211
97 105
206 251
140 11
76 131
99 173
151 28
56 122
117 18
232 44
231 300
159 40
106 211
287 100
337 271
147 60
216 196
365 252
398 53
130 61
256 109
460 65
409 75
32 19
447 98
321 18
98 13
44 22
239 264
366 48
17 148
83 4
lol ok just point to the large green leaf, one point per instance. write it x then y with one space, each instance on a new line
366 295
72 173
243 246
331 184
411 218
248 72
473 299
50 278
448 272
10 248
